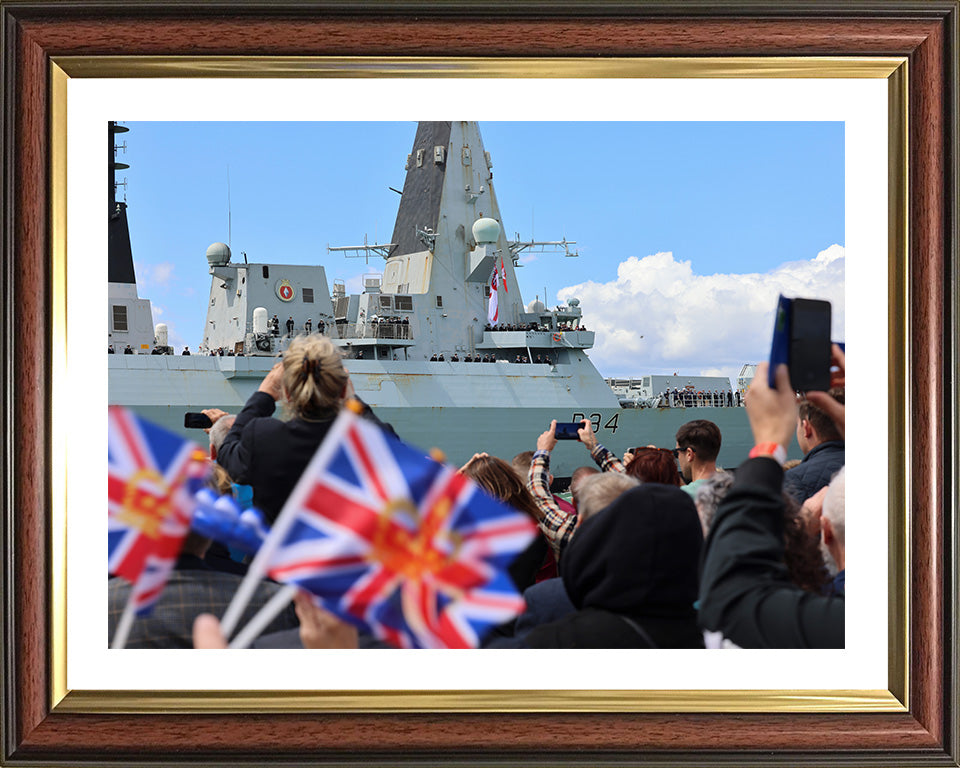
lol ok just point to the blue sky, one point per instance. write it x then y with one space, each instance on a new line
686 231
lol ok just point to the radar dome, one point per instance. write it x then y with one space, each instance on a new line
486 231
218 254
573 302
160 333
536 306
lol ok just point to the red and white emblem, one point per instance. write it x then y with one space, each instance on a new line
285 291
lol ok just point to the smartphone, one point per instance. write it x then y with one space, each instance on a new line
567 430
801 340
809 360
196 421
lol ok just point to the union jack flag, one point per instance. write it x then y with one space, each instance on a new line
149 503
397 543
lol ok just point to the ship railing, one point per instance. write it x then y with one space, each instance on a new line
378 330
693 400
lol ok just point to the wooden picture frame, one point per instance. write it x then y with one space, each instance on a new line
38 729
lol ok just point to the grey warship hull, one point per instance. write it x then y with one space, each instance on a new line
448 293
434 404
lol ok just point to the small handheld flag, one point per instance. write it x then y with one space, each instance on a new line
395 543
149 503
221 518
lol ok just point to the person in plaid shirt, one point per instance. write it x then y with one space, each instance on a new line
557 524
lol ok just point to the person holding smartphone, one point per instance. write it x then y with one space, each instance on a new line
745 591
269 454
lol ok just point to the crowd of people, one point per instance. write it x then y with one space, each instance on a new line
565 326
490 358
657 548
698 398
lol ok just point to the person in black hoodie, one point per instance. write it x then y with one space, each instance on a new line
632 573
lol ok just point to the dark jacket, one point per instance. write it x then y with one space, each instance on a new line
546 601
631 571
269 454
745 592
815 471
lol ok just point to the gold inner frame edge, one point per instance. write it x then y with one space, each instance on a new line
894 700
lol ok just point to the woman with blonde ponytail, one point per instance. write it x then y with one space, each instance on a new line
270 454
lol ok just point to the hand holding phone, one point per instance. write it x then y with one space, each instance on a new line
801 341
568 430
196 421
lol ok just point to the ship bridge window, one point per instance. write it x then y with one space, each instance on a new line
386 302
266 271
307 294
439 301
403 303
119 317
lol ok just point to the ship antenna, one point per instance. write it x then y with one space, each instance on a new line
229 212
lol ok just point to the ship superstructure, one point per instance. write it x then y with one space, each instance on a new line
433 295
420 344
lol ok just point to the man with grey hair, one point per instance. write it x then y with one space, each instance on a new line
600 490
708 496
832 532
547 600
218 432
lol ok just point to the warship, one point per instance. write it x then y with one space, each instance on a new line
439 343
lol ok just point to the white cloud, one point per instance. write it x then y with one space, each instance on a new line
528 259
658 316
154 275
162 273
354 284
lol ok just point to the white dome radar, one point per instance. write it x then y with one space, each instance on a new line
573 302
536 307
218 255
486 231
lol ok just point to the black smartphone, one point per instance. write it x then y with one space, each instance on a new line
196 421
809 360
567 430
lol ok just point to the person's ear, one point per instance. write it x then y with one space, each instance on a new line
826 531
